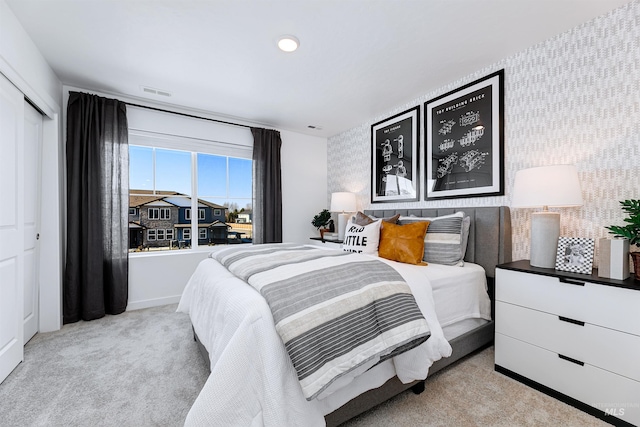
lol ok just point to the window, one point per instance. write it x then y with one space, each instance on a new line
172 173
201 213
225 181
159 213
151 234
132 211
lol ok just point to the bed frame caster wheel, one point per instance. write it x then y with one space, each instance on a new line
418 388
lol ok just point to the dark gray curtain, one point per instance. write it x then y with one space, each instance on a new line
96 274
267 186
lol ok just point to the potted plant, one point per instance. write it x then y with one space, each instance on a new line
630 231
321 220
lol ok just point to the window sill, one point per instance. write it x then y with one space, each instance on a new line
145 254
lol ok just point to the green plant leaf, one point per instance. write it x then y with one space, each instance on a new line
631 230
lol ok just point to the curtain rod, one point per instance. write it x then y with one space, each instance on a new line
188 115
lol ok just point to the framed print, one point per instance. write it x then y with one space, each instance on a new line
394 158
575 254
464 139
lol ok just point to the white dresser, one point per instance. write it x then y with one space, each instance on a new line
573 336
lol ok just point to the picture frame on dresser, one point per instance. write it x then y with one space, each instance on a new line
464 141
575 254
395 163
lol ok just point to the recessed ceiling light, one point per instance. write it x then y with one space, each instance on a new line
288 43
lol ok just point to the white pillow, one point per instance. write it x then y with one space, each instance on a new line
362 238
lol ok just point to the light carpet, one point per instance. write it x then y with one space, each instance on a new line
142 368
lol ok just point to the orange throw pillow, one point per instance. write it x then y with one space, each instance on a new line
403 243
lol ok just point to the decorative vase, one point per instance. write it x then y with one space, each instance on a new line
613 258
635 257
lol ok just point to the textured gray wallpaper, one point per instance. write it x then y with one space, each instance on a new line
572 99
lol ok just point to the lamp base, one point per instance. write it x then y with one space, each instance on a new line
545 231
343 218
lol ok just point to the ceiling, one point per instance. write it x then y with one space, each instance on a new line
358 59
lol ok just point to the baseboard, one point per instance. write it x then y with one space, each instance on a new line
564 398
138 305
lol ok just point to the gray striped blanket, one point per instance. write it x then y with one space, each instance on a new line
335 311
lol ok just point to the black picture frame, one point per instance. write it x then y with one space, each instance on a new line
464 141
395 160
575 254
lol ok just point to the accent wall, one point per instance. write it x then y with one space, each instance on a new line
573 99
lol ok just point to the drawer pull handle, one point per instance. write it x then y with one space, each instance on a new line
569 359
571 281
569 320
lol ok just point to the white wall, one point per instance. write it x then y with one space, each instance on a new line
159 278
304 184
571 99
23 64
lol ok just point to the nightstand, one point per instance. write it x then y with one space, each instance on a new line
573 336
326 243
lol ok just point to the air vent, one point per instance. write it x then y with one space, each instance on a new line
153 91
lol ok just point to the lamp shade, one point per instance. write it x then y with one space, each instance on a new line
343 202
556 185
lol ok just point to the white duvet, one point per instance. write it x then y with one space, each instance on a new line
252 381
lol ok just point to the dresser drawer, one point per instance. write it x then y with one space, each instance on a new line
604 348
595 387
608 306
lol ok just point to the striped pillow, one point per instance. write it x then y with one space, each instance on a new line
446 238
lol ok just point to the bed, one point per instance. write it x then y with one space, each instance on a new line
240 391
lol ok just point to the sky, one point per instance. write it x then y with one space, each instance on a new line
221 179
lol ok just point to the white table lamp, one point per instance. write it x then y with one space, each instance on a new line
342 202
546 186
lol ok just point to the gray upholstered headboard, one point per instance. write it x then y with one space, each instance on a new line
489 234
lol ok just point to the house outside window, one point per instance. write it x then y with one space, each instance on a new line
164 174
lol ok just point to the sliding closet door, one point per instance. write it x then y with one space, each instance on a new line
11 227
31 218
